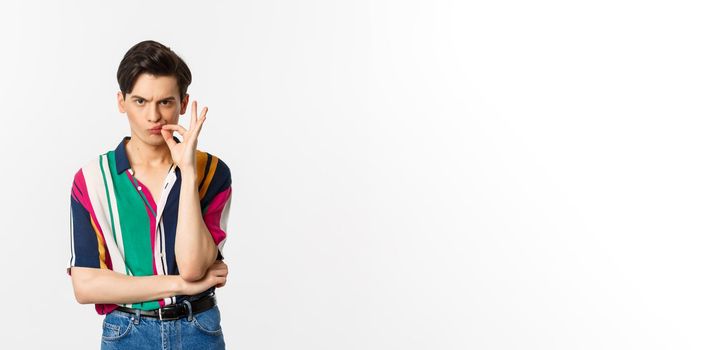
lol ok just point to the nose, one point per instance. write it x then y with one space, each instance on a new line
154 114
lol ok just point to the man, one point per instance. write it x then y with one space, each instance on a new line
148 219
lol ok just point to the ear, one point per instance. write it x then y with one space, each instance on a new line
184 104
121 101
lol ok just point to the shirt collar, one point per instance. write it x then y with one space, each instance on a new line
122 163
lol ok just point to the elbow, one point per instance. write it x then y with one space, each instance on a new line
191 270
191 273
82 289
81 296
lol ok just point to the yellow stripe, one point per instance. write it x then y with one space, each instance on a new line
209 176
101 248
200 166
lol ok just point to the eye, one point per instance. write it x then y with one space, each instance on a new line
166 102
139 101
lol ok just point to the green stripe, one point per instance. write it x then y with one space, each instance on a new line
136 227
147 305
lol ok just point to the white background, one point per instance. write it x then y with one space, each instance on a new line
407 174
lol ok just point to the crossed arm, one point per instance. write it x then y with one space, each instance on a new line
103 286
196 254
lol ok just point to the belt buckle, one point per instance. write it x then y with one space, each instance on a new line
160 312
169 307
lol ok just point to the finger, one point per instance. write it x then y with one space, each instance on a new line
220 270
198 128
175 127
202 118
168 137
198 120
194 131
192 124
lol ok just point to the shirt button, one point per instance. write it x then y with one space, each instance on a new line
139 188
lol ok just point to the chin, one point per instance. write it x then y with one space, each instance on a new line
154 140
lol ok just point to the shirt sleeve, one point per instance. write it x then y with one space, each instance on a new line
216 207
84 250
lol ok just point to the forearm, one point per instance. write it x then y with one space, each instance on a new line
102 286
194 247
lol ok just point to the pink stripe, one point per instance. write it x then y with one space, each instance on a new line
103 309
212 218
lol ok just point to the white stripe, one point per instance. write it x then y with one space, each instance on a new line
99 204
72 238
223 221
114 206
160 249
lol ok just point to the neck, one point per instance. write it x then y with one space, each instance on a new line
141 154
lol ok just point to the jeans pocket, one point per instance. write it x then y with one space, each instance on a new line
116 325
208 321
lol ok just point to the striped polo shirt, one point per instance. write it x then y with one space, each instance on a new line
115 223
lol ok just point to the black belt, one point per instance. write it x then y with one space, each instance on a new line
175 311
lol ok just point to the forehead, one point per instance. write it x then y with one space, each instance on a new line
153 87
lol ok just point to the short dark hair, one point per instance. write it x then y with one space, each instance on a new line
156 59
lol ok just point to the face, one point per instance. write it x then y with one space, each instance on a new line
153 102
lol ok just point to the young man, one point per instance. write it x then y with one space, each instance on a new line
148 218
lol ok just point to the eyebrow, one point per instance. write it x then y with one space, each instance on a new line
163 99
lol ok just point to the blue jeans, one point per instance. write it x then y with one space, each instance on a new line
122 330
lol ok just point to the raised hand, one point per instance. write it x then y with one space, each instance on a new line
184 152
